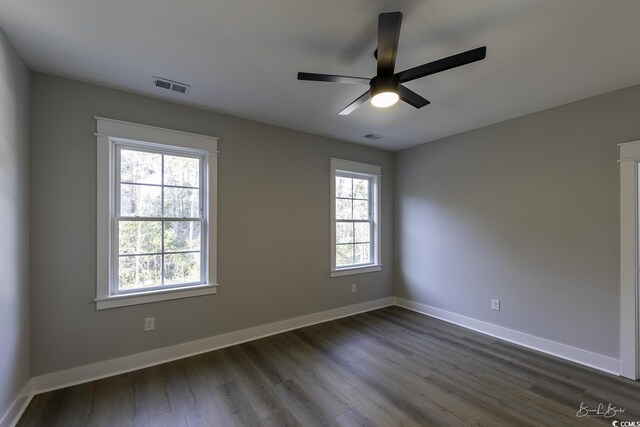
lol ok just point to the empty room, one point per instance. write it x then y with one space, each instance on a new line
319 213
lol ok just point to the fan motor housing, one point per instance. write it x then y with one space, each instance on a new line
381 84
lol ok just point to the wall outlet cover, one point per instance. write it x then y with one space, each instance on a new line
149 323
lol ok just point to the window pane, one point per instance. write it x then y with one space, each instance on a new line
139 271
181 268
360 189
344 232
181 236
362 232
181 202
343 209
139 167
140 200
360 209
362 253
343 187
182 171
344 255
140 237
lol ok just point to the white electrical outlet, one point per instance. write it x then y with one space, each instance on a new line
353 288
149 323
495 304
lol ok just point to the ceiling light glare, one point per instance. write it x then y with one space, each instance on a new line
384 99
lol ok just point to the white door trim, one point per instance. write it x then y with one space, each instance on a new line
629 292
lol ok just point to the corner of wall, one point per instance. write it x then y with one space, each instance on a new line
15 369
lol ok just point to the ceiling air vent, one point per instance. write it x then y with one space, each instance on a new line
171 85
373 136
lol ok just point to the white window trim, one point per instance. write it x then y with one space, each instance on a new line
108 130
629 252
370 171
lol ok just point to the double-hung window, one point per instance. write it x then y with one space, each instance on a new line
156 214
355 217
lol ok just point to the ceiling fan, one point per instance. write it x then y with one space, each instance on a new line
385 88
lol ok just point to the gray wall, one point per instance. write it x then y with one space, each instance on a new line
273 218
14 235
526 211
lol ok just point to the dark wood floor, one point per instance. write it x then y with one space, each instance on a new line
387 367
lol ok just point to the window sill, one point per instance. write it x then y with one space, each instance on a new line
154 296
356 270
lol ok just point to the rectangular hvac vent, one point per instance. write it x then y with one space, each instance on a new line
178 88
171 85
162 84
372 136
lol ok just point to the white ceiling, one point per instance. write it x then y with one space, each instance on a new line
242 56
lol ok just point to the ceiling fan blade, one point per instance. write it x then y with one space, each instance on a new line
355 104
388 35
412 98
443 64
333 79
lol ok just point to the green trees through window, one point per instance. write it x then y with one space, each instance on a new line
353 221
159 219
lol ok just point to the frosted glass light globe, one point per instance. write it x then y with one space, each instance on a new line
384 99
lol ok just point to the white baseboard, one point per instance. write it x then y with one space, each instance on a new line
584 357
18 406
107 368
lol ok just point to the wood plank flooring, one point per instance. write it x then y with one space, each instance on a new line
388 367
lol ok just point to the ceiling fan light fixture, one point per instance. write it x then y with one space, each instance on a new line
384 99
386 88
384 91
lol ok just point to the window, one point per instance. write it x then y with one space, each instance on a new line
156 214
355 217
